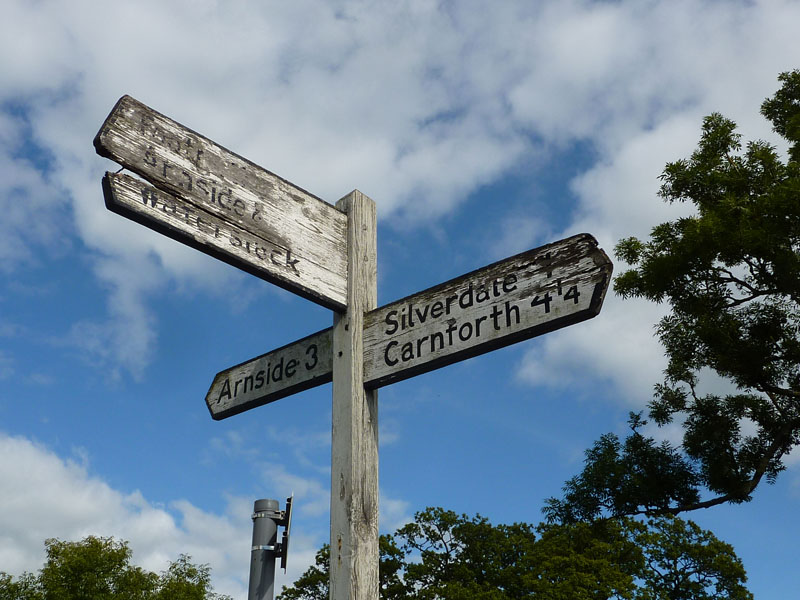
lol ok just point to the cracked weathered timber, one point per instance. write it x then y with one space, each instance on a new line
224 205
515 299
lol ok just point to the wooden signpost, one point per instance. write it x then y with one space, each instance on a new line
211 199
518 298
222 204
515 299
299 366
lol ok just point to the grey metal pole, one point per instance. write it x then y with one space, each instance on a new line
266 516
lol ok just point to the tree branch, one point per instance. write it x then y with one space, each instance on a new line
782 439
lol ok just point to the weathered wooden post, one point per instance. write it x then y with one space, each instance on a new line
354 447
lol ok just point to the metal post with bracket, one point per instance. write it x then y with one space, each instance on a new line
267 517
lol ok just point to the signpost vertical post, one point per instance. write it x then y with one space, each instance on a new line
354 448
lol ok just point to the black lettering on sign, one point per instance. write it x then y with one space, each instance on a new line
544 301
149 195
225 392
524 296
391 321
390 361
573 294
225 187
291 263
460 330
290 368
298 366
150 156
311 352
277 371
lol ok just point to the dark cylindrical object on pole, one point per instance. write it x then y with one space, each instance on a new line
266 516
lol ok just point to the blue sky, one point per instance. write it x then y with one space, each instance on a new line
479 132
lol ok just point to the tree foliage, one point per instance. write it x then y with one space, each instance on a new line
685 562
98 568
624 478
313 584
443 555
730 273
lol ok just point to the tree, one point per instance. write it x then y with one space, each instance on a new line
25 587
314 583
463 558
443 555
98 568
186 581
93 568
730 273
684 562
639 475
584 561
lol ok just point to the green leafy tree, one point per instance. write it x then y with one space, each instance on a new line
624 478
730 273
314 583
98 568
95 568
443 555
186 581
583 561
684 562
463 558
25 587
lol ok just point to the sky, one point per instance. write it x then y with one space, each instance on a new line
479 129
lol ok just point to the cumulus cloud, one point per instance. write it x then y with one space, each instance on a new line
616 350
43 495
417 103
46 496
642 77
32 206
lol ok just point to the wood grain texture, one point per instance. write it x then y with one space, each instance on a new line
288 370
204 176
515 299
354 454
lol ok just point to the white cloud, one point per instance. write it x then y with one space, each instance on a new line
43 495
393 513
519 233
417 103
33 208
641 104
313 494
617 347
